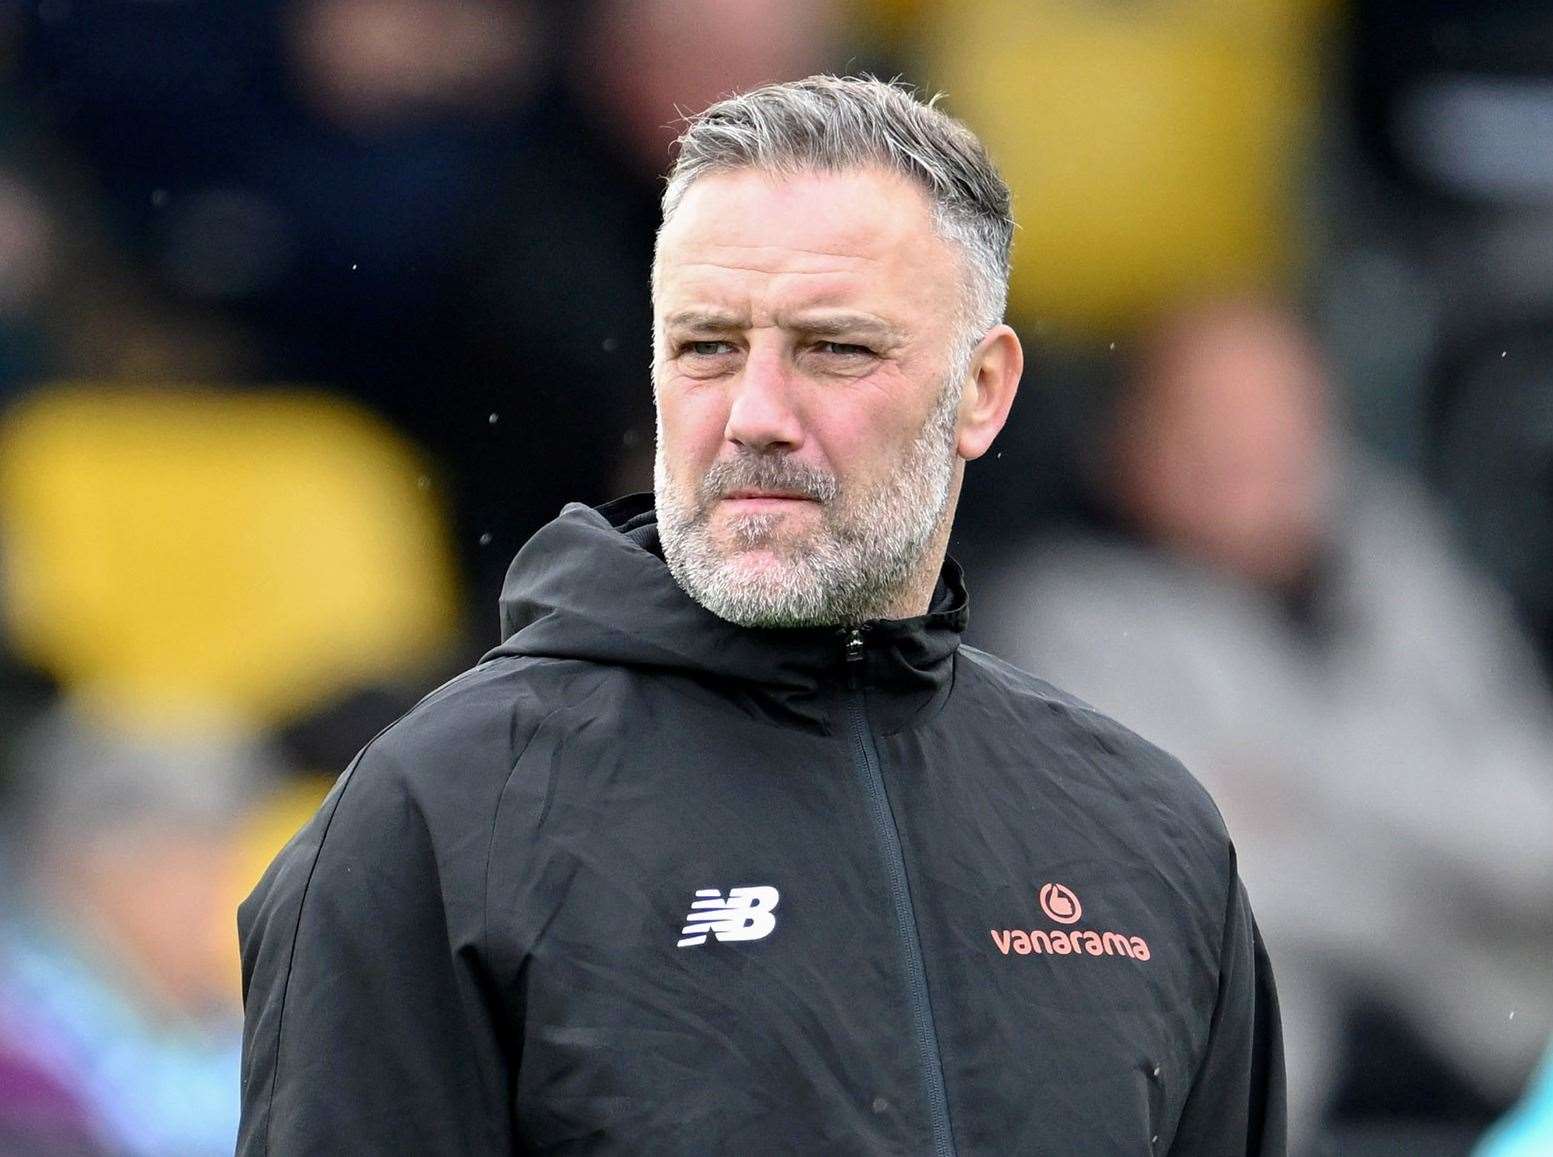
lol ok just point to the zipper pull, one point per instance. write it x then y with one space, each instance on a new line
852 649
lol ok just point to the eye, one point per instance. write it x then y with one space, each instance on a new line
844 349
707 349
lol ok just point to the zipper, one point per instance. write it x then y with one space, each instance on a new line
867 766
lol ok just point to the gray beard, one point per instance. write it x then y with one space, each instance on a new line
857 565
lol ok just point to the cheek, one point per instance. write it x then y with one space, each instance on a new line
857 443
690 429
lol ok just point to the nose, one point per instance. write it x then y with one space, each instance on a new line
761 414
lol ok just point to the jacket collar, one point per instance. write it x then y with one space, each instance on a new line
593 585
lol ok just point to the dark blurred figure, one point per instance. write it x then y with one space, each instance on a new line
1288 617
119 1016
304 166
554 309
26 241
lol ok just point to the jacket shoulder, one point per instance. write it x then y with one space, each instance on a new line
433 778
1019 682
1137 767
468 734
391 870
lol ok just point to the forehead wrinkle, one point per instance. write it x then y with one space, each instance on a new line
778 268
772 256
697 298
789 249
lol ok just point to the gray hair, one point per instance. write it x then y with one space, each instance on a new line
837 124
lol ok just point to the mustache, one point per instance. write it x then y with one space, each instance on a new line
767 472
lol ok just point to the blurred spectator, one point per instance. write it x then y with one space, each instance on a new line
119 1017
640 65
1286 616
372 64
553 324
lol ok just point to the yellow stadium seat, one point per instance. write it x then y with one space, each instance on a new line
1154 150
256 551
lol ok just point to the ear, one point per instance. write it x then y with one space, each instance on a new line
996 364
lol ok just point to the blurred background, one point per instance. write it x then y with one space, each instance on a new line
311 311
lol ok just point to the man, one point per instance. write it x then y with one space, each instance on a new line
730 846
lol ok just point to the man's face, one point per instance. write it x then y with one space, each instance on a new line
807 408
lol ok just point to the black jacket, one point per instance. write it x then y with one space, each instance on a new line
646 882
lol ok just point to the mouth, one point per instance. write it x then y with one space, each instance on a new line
753 500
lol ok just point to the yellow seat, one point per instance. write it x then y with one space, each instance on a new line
1154 150
258 551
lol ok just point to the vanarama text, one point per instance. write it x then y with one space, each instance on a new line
1075 943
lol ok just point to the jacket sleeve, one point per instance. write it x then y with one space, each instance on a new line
366 1025
1236 1103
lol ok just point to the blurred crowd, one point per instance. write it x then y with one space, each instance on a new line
311 311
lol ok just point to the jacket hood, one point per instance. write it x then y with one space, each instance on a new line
593 585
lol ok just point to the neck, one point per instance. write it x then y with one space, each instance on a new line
916 598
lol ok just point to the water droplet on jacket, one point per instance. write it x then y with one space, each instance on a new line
493 419
485 539
880 1105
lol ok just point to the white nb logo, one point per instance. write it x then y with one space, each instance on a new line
744 915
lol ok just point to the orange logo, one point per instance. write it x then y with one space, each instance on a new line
1060 904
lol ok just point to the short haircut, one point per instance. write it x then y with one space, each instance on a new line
841 124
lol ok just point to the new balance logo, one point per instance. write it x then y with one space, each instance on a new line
745 915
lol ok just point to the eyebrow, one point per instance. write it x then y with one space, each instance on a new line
821 325
704 319
846 325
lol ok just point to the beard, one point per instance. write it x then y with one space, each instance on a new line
856 564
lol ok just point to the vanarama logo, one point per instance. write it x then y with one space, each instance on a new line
1060 904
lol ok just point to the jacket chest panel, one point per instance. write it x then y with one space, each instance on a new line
701 956
1080 989
1065 955
702 912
